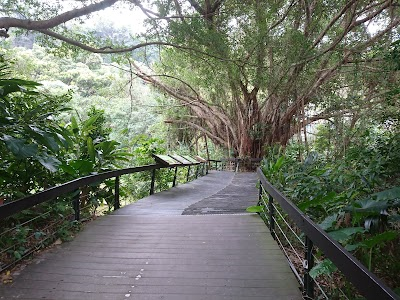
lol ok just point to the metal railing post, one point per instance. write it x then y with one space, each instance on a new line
153 180
188 174
117 204
76 206
207 167
216 165
308 264
260 190
176 172
197 171
271 216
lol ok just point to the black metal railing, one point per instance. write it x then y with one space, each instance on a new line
280 212
74 189
235 164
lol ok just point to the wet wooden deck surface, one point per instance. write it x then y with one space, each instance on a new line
178 244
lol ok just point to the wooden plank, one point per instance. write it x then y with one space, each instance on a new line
139 254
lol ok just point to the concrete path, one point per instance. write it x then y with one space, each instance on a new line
149 250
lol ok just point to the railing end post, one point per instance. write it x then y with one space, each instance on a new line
76 206
175 175
271 216
188 174
153 179
117 203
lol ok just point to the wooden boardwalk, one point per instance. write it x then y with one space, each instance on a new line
178 244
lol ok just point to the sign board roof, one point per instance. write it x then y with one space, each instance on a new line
200 159
181 159
166 160
191 159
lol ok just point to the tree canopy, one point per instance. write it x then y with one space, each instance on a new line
250 73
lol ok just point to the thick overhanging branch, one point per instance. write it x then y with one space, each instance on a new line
198 127
7 22
194 102
111 50
216 120
104 50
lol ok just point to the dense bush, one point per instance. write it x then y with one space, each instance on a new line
354 196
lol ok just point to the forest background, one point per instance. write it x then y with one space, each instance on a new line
313 87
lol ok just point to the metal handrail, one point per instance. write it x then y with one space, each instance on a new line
366 282
14 207
236 161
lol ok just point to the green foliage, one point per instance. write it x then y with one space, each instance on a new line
143 149
353 195
129 106
39 150
325 267
32 142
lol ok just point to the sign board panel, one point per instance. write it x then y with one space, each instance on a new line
191 159
166 160
181 159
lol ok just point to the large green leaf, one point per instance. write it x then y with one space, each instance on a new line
389 194
368 206
49 162
255 209
342 235
44 138
68 169
278 164
8 86
380 238
19 147
74 125
325 267
328 222
318 200
352 247
83 167
373 241
89 122
91 151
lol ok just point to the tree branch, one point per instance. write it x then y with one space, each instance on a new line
332 22
197 7
8 22
198 127
110 49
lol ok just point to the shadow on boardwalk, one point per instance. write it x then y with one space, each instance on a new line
149 250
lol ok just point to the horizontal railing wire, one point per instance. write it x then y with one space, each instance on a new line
85 194
277 210
32 242
366 282
285 250
282 220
